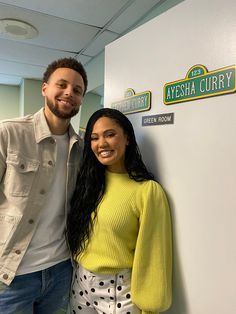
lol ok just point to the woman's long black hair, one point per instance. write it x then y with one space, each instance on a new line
90 184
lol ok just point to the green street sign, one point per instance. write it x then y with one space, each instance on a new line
133 102
199 83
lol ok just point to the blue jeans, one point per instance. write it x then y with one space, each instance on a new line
41 292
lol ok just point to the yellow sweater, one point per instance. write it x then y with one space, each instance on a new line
133 230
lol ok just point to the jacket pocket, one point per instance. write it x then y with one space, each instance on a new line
20 174
8 225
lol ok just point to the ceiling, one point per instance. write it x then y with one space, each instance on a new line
75 28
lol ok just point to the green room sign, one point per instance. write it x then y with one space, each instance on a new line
133 102
199 83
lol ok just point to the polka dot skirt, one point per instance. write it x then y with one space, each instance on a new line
104 294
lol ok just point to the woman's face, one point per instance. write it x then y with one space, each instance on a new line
108 142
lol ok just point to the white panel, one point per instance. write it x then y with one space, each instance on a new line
194 159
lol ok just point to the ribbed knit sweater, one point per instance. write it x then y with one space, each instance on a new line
133 230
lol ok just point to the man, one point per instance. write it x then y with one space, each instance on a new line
39 160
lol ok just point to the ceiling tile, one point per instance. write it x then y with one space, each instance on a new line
92 12
10 80
54 32
132 15
99 43
18 69
75 28
28 53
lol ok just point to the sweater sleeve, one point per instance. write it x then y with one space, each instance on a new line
152 267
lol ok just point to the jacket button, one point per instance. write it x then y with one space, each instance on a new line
18 252
50 163
22 166
5 276
42 192
31 221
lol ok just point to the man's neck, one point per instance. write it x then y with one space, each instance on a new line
56 125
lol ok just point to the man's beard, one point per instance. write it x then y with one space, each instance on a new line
54 109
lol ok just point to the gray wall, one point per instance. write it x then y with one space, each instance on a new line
9 101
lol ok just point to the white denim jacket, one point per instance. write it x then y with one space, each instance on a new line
27 159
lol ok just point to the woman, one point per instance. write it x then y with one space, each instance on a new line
119 228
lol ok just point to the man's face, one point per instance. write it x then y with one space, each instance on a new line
64 92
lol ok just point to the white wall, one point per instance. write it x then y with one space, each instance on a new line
194 159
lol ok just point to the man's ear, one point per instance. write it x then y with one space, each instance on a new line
44 87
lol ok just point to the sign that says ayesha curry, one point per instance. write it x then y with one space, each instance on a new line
133 102
199 83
